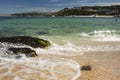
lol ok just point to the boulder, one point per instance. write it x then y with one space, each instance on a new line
27 51
31 41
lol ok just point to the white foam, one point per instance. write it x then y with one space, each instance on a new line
101 35
67 49
84 34
105 35
17 78
53 65
5 46
108 38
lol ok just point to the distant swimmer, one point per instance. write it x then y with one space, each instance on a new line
116 19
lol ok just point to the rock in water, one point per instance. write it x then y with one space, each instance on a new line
27 51
31 41
42 33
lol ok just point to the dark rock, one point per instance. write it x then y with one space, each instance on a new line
86 67
91 34
46 28
31 41
27 51
42 33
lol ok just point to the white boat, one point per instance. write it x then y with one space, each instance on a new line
53 16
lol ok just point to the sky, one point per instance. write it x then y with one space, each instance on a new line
16 6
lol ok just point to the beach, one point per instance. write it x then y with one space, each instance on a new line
75 42
104 66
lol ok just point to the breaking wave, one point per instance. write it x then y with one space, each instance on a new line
103 35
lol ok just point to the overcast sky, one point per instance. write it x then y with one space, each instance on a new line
14 6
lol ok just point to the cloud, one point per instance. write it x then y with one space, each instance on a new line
55 0
82 1
87 3
106 4
73 3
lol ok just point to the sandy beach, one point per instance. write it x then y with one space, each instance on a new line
105 65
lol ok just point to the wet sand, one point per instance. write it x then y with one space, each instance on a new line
105 66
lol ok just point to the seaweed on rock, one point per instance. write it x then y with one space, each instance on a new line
31 41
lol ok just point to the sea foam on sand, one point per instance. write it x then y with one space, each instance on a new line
45 68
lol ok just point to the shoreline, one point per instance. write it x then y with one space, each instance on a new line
97 16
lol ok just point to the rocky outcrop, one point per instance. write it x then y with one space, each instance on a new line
27 51
31 41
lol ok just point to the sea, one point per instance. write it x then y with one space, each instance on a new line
68 36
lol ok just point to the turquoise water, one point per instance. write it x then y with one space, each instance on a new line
67 35
37 26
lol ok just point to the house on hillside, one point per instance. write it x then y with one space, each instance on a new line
107 11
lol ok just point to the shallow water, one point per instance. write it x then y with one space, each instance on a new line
33 26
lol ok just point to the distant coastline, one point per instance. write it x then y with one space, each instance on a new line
9 15
3 15
83 11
